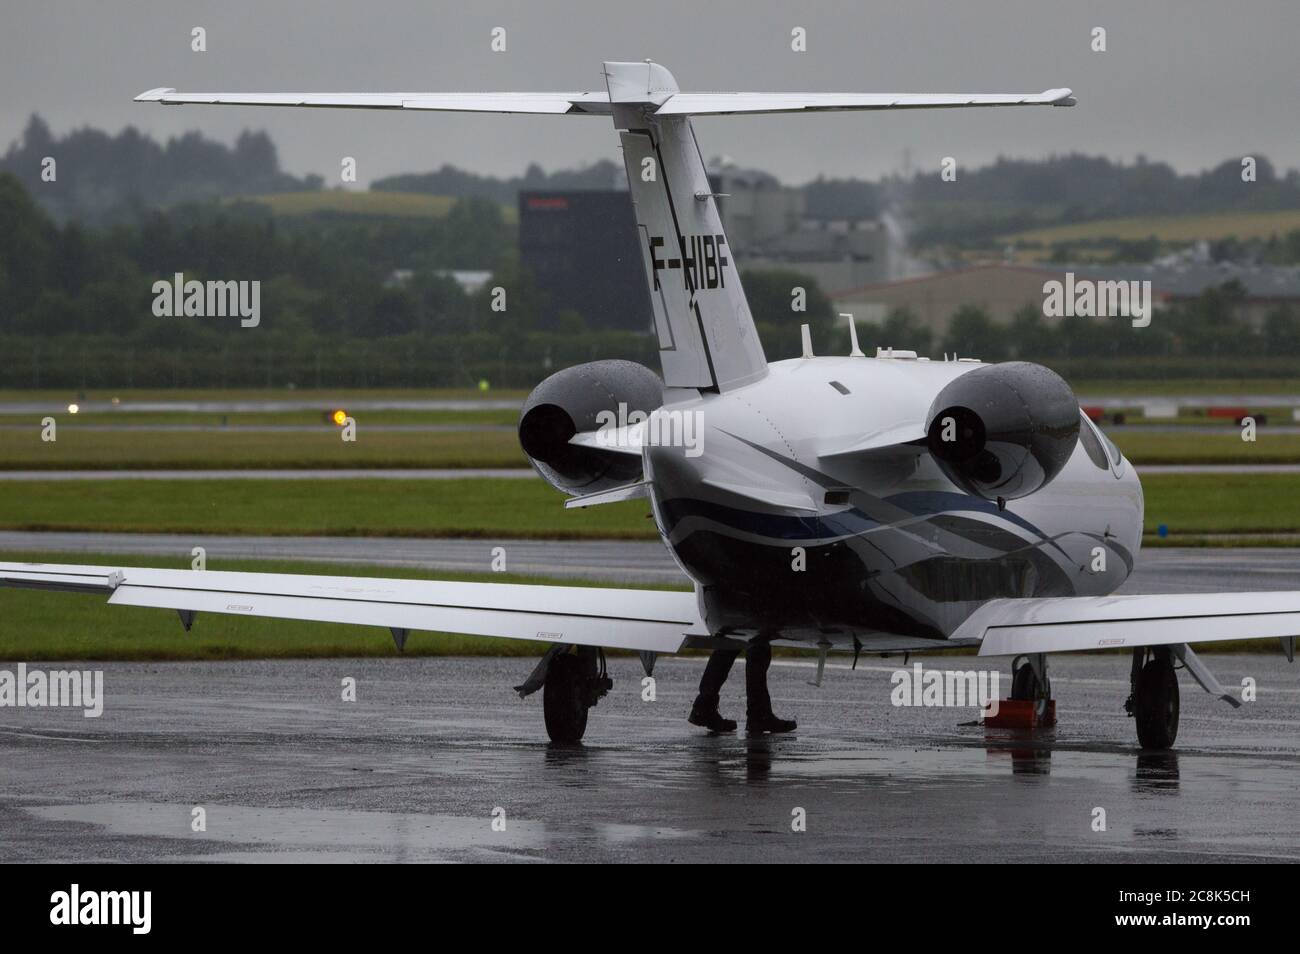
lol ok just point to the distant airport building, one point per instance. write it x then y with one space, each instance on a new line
768 227
581 248
471 281
1003 289
581 245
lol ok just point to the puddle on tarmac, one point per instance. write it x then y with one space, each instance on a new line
309 830
311 834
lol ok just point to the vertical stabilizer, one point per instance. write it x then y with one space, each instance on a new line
707 338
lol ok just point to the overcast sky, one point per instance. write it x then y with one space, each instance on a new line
1192 82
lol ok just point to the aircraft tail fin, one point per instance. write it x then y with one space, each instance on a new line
707 337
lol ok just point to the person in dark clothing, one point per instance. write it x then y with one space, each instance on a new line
758 704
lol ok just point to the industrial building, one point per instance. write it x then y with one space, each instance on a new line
581 248
1003 289
768 227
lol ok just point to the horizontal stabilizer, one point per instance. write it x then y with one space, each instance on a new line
553 103
598 103
730 104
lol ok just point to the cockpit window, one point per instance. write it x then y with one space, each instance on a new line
1091 443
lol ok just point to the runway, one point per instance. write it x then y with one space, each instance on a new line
277 428
631 561
263 407
416 768
1248 400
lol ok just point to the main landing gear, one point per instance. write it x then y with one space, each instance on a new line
575 682
1153 702
572 680
1031 705
1153 697
1029 679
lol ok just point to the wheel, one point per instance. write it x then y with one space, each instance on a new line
1156 704
566 697
1025 685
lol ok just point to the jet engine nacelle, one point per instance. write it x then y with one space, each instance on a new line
569 402
1004 430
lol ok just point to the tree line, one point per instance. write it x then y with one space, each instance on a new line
369 302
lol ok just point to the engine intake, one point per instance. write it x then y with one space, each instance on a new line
1004 430
569 402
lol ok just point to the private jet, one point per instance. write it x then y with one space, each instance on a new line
885 504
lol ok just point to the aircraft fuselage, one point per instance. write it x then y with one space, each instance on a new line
787 530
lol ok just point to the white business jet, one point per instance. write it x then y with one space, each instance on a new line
887 504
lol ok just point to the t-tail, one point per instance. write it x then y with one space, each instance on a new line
707 338
706 333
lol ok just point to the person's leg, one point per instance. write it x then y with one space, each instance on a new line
705 711
758 658
758 702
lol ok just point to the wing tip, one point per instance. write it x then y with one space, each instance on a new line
155 95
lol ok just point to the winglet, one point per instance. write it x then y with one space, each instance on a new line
155 95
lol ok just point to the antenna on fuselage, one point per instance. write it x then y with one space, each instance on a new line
854 350
805 335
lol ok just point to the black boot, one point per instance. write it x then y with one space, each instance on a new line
758 710
767 722
705 713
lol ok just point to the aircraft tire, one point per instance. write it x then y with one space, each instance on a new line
1156 709
565 698
1025 685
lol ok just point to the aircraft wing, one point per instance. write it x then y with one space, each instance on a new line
1072 623
552 103
726 104
653 620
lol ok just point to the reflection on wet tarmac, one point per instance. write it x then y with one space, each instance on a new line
416 769
1156 772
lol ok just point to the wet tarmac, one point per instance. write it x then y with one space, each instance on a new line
434 750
